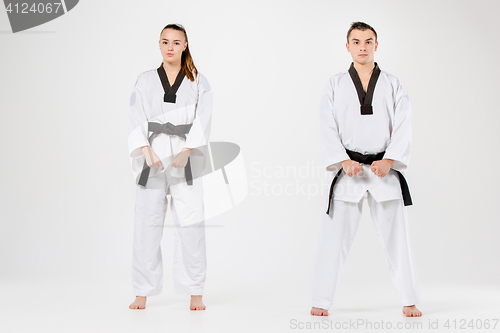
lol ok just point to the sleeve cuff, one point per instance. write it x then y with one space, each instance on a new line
135 148
398 163
333 162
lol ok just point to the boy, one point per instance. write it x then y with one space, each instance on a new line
365 136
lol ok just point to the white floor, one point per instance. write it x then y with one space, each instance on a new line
102 306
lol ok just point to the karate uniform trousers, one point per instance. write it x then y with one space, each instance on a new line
189 267
338 230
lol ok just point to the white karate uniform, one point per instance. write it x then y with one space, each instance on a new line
387 129
193 105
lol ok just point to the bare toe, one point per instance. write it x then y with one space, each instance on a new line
319 312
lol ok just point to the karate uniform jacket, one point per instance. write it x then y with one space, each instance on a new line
193 105
342 126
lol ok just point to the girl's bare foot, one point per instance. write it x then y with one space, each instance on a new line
411 311
139 303
319 312
197 303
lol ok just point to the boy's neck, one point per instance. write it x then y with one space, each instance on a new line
364 69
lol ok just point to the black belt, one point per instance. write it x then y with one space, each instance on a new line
169 129
369 159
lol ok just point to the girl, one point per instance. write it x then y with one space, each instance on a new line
169 119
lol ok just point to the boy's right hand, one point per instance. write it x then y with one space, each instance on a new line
351 168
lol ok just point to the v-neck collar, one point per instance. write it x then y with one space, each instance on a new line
364 98
170 90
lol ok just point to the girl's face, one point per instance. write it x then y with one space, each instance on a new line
172 43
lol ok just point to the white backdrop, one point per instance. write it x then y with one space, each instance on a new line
67 193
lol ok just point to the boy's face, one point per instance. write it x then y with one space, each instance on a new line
362 46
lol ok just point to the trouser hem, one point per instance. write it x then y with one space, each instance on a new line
147 293
411 301
321 306
189 291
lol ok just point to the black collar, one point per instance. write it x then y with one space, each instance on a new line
365 99
170 91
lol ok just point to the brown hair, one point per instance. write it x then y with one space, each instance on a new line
360 26
187 64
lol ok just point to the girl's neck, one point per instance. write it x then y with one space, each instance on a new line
172 68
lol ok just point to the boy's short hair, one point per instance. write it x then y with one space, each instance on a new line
360 26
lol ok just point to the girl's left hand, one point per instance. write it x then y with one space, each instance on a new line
180 160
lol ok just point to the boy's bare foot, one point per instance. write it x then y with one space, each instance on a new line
197 303
139 303
319 312
411 311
